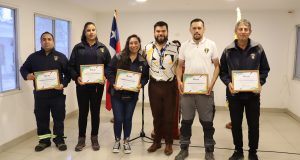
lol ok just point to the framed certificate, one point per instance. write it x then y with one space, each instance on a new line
93 73
195 83
46 79
245 80
128 80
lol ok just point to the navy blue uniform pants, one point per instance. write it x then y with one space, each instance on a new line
89 98
252 110
42 109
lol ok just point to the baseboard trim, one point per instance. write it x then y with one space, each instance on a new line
297 118
17 140
31 133
27 135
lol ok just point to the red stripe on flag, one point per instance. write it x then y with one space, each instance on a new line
108 97
118 47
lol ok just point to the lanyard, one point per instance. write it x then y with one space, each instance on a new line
161 56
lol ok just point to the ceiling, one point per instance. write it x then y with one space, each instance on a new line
186 5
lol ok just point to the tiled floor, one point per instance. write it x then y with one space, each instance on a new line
279 132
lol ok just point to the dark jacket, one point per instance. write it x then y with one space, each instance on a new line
235 58
138 65
39 61
83 54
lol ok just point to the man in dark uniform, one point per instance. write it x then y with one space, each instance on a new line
49 100
244 54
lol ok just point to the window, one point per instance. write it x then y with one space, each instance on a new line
297 61
59 28
8 51
41 25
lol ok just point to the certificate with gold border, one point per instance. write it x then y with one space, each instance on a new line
46 79
93 73
245 80
195 83
128 80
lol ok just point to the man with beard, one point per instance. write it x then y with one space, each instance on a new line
162 58
199 56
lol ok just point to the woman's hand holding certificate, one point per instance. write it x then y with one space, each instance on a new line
90 74
128 80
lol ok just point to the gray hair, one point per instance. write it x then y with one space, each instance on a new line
244 22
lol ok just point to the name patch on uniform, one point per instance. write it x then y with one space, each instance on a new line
55 58
252 56
206 50
141 68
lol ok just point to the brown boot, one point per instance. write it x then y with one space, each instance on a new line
168 150
152 134
80 144
154 147
95 143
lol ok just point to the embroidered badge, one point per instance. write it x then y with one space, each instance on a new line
55 58
252 56
206 50
102 50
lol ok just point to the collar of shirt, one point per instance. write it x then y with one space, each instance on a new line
44 53
97 44
191 41
164 47
238 47
251 44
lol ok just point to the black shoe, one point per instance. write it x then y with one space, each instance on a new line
209 156
61 146
237 156
182 154
252 156
41 146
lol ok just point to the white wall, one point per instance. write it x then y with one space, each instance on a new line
16 108
273 29
293 87
270 28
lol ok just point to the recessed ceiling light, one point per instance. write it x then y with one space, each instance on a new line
140 0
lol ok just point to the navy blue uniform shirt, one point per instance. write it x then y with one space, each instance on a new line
253 57
138 65
39 61
83 54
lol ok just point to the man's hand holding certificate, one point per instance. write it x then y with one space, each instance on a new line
245 81
128 80
46 80
195 83
93 73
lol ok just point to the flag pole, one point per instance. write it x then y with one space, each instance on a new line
238 18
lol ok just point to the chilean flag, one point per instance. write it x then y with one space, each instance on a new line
114 48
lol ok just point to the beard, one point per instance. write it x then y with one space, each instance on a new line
197 37
161 39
